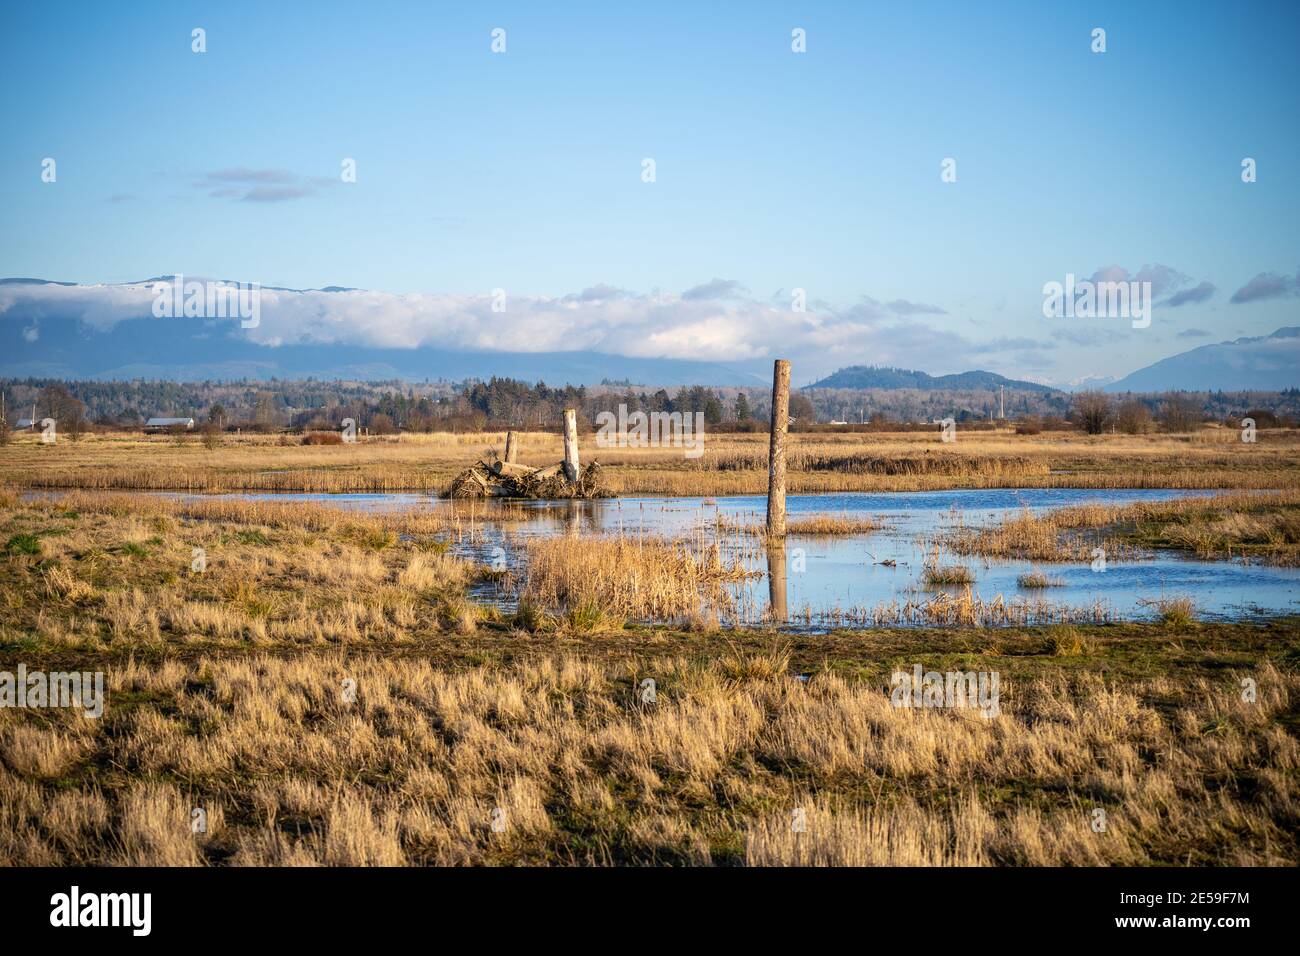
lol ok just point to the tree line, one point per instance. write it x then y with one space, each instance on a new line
472 405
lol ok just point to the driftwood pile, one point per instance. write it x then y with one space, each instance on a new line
495 478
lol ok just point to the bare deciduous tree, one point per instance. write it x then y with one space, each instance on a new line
1092 411
1179 413
1133 417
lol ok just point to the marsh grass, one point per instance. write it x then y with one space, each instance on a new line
1256 525
119 573
731 463
1174 612
1036 580
619 578
824 525
1032 536
963 608
935 574
225 692
940 575
818 525
410 771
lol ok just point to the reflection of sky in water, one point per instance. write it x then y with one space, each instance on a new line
849 573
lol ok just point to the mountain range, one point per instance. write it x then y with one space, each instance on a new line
863 376
1265 363
108 332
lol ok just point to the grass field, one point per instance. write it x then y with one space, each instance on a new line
730 464
326 692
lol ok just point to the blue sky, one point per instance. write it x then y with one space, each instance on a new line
774 170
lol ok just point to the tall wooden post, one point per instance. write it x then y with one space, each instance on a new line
776 457
776 587
571 467
512 448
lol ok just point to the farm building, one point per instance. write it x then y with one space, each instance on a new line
162 424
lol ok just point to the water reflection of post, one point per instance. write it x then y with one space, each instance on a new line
776 580
575 519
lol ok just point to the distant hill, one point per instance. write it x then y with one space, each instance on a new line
863 376
1268 363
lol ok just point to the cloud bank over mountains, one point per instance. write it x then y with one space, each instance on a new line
67 329
717 321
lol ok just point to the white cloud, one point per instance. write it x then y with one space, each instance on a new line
713 322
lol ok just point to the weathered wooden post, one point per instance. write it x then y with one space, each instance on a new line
571 444
512 448
776 457
776 587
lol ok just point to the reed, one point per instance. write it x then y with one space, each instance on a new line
936 574
647 579
1260 525
828 525
945 575
808 527
1031 536
1036 580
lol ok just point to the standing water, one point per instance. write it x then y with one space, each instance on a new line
829 580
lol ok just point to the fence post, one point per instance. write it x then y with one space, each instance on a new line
512 448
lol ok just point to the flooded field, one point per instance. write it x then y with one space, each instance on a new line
871 578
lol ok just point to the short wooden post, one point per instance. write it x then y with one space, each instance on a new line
776 457
512 448
571 467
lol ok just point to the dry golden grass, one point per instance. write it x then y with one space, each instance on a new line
818 525
113 571
226 692
1175 612
1036 580
1033 536
944 575
1261 525
731 463
957 608
595 581
577 768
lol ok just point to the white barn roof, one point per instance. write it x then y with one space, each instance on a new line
168 422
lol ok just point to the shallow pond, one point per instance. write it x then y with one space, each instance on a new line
825 581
